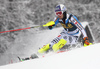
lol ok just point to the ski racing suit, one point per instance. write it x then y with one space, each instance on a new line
70 35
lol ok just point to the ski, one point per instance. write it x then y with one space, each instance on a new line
33 56
20 59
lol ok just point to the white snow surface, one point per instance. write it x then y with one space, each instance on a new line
81 58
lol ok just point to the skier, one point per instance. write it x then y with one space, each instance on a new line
72 30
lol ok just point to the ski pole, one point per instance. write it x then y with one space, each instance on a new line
19 29
37 26
48 24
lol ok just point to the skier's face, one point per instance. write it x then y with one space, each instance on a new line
59 14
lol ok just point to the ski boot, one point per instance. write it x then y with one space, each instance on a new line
87 45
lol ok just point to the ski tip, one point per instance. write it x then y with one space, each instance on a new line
19 58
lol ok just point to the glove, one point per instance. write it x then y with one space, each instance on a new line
50 27
86 41
49 23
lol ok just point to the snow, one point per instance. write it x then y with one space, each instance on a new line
81 58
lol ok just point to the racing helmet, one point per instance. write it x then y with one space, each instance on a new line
60 9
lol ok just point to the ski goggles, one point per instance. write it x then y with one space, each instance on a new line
59 13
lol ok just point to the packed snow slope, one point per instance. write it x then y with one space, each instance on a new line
81 58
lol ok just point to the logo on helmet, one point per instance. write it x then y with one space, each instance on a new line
57 9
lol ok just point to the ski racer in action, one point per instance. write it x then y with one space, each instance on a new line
71 33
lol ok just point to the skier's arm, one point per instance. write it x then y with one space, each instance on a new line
80 27
56 20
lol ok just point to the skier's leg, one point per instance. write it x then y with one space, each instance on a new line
48 46
65 39
59 41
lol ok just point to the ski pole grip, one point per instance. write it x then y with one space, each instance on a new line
49 23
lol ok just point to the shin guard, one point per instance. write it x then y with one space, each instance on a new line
59 45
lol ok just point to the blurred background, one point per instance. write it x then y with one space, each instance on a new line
16 14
